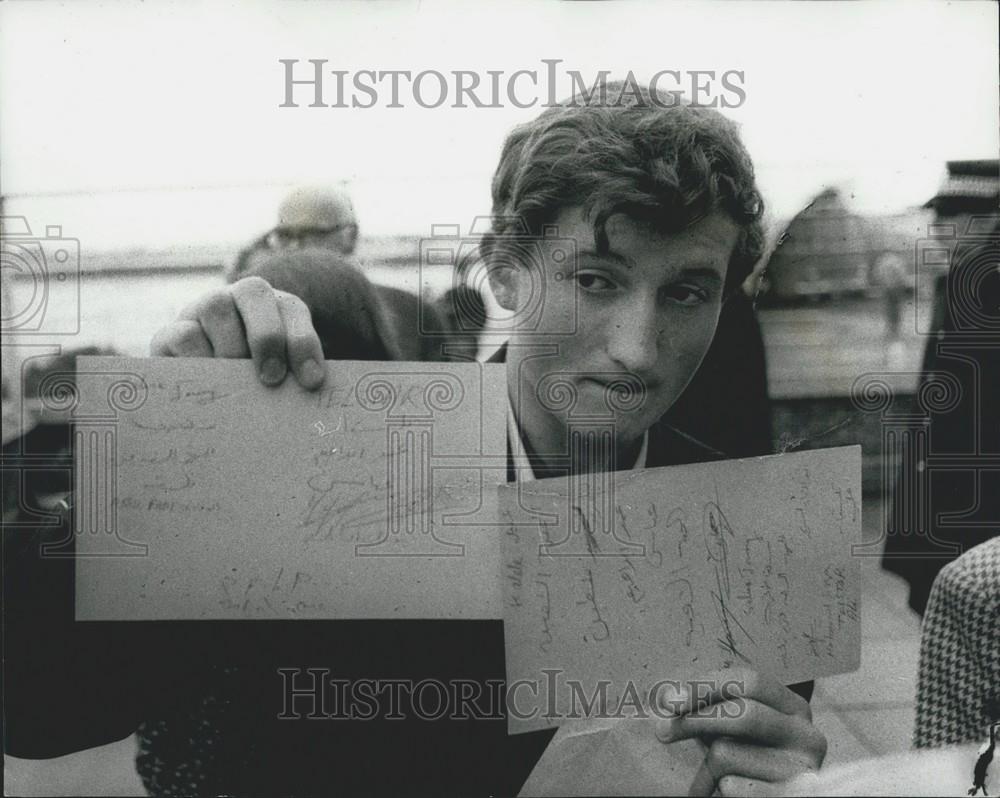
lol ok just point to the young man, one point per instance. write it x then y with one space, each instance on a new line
659 203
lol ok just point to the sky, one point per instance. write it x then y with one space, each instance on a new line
159 125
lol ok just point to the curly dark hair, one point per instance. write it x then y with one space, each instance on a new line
622 149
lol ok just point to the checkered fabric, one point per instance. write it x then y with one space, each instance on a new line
958 690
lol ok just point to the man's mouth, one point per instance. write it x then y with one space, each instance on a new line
627 389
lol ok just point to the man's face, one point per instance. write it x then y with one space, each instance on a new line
647 308
339 238
311 220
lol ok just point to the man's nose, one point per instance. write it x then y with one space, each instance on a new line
633 339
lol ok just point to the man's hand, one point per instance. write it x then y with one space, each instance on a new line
248 319
758 733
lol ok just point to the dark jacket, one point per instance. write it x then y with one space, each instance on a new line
946 499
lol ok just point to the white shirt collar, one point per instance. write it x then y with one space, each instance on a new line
522 466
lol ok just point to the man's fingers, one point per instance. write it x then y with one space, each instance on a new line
249 319
733 683
729 757
262 327
182 338
730 786
703 783
740 768
220 323
811 783
305 352
747 720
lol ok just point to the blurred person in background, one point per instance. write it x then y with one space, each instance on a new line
342 299
463 312
36 442
310 216
890 271
322 220
938 513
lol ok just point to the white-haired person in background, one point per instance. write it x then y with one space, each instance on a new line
309 217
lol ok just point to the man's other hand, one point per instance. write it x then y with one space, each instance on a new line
757 733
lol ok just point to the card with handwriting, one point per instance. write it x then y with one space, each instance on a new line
203 494
613 583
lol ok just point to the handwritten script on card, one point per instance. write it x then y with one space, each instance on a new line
202 494
670 572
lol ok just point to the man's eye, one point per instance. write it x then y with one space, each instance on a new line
593 282
686 294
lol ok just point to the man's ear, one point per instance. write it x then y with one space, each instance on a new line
504 284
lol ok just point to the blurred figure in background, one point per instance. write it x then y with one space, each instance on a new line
464 313
322 220
937 513
10 364
342 300
890 272
36 442
311 216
